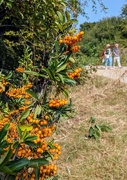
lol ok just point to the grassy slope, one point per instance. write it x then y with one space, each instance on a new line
88 159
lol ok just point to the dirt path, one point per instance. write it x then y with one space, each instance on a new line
114 73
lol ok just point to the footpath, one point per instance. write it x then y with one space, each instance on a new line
114 73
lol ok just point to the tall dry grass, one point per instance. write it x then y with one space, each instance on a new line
88 159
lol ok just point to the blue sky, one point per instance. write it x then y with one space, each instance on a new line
114 9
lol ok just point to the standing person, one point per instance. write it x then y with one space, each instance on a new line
108 56
116 52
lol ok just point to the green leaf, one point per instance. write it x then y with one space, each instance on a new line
4 144
26 127
25 134
60 16
6 170
30 143
31 138
37 172
16 144
67 15
105 128
19 132
61 78
6 157
65 93
69 81
71 59
32 73
38 162
97 127
37 111
24 115
3 132
68 56
51 73
97 134
91 132
32 93
59 26
63 67
18 165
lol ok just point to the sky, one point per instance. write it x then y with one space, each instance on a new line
114 9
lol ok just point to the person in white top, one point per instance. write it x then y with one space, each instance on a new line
116 52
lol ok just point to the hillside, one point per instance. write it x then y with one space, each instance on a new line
89 159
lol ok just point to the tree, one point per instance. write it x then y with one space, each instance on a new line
34 91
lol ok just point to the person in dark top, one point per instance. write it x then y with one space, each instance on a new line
108 56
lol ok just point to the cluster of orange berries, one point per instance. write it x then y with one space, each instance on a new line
55 103
3 122
3 83
46 171
30 119
19 92
42 133
27 152
20 69
72 41
11 116
12 132
75 74
56 151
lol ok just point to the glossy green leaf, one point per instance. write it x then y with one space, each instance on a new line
31 138
51 74
19 131
38 162
25 135
16 144
61 78
6 170
37 173
24 115
3 132
65 93
30 143
6 157
32 93
18 165
69 81
4 144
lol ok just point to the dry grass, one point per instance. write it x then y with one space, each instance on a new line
87 159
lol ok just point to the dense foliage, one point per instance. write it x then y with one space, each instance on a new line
36 72
109 30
